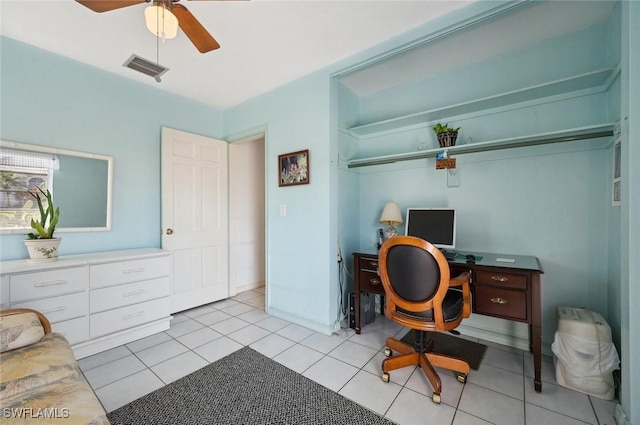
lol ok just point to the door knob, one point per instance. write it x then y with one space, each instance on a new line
169 231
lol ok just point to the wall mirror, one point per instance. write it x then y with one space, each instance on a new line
80 182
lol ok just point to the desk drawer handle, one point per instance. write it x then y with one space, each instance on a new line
499 300
374 281
499 278
373 263
52 310
141 269
129 294
53 282
131 316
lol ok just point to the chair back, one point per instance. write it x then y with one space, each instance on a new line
415 276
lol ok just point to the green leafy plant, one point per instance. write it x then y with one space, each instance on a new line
440 128
48 216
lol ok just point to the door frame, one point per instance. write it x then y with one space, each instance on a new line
254 134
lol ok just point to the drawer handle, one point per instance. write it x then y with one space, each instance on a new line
138 292
53 282
374 281
129 271
373 263
59 308
499 300
131 316
499 278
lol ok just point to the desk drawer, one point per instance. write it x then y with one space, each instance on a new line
369 263
505 303
509 280
58 309
49 283
370 282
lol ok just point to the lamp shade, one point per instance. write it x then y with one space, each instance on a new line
391 214
160 21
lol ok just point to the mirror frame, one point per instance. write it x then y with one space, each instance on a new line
57 151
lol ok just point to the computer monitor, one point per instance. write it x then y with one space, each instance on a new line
435 225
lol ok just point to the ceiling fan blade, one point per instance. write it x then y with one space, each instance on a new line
198 35
107 5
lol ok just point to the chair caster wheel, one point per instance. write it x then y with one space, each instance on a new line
388 352
385 377
462 378
436 398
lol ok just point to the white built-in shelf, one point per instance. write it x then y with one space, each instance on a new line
596 81
581 133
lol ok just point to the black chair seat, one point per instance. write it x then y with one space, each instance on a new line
451 308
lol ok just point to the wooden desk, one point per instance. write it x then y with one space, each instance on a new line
506 290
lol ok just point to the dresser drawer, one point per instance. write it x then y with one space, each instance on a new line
130 293
103 275
75 330
127 317
509 280
371 282
58 309
506 303
369 263
49 283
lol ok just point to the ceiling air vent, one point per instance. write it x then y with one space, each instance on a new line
145 66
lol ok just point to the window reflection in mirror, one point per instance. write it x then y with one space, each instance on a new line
80 184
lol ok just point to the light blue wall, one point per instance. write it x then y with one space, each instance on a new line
53 101
630 213
614 225
299 244
348 208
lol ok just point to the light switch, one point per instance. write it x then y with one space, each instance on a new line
283 210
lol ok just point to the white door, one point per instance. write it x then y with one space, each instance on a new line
194 217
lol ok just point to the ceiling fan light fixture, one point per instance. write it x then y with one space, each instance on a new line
160 21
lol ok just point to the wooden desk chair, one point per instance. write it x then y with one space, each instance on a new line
416 280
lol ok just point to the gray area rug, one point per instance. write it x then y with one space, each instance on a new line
244 388
445 343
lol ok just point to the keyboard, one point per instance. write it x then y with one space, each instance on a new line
449 255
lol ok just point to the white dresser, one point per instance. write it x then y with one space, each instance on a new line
97 301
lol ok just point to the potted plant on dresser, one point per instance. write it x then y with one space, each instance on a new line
446 135
41 244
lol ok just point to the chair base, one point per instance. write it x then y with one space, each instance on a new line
427 360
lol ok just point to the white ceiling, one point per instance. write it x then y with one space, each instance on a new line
265 44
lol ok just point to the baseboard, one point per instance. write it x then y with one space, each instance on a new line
621 417
509 340
323 328
103 343
250 286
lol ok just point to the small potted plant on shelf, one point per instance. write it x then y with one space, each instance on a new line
446 135
41 244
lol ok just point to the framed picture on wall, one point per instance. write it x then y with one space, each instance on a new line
293 168
617 173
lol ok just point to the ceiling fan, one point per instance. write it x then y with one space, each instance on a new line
163 18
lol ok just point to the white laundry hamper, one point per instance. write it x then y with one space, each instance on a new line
584 357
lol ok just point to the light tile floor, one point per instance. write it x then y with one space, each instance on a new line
500 392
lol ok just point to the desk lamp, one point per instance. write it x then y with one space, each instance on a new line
391 216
